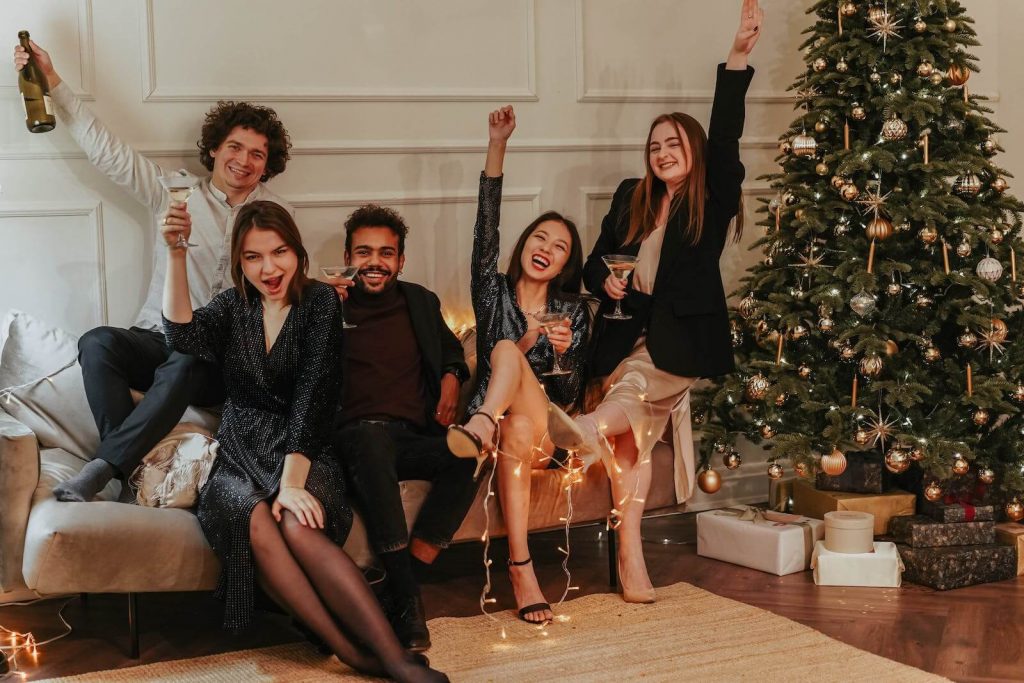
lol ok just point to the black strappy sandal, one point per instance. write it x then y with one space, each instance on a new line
465 444
537 606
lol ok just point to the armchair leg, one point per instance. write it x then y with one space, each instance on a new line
133 626
613 564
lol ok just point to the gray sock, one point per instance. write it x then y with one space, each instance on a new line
86 484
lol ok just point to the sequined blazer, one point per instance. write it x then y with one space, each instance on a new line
498 315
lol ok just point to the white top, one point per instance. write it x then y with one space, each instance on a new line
212 218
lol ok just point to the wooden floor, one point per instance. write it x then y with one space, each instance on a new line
971 634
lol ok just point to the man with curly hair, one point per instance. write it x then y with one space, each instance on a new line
242 145
403 369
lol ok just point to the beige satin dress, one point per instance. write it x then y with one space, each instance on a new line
651 397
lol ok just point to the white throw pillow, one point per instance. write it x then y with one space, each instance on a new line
34 349
5 325
57 410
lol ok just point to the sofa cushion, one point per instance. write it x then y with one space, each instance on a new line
33 349
57 410
5 325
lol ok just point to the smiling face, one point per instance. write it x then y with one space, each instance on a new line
375 251
268 263
546 251
669 155
239 162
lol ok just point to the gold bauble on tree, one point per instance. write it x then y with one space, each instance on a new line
709 480
967 185
757 387
1015 510
1018 393
949 26
925 69
960 465
879 228
996 236
781 399
821 126
963 250
932 355
998 330
920 26
858 113
800 469
819 64
804 371
986 475
775 471
861 437
916 454
834 463
936 78
848 9
767 431
981 417
967 340
928 234
839 181
877 14
894 129
933 492
804 145
748 306
842 67
1000 185
958 75
897 460
891 348
871 366
821 169
785 147
732 460
849 192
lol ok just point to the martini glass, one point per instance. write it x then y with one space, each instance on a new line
621 265
180 186
338 272
548 320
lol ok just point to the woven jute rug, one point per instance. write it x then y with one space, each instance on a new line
689 634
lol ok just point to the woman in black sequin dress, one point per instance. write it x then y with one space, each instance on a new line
273 508
514 350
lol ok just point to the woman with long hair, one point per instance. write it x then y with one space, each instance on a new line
674 222
273 508
516 345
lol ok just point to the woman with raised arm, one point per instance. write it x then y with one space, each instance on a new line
273 507
529 320
671 226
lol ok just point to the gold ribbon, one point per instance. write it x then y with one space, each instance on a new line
747 513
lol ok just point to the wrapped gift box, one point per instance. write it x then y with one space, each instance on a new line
864 473
919 531
811 502
956 567
773 542
958 512
780 495
1012 534
881 567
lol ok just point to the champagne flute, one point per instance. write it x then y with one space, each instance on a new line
334 273
548 320
180 186
620 265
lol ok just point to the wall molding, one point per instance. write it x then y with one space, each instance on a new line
352 200
153 92
91 211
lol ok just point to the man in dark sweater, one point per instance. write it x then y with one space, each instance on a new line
403 370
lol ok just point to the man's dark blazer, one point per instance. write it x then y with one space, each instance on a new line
685 316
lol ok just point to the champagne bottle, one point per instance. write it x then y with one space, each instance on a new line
35 93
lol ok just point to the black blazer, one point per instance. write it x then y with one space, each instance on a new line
440 349
685 317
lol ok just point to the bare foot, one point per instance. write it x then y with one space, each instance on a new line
527 592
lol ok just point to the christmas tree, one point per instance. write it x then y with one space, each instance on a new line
880 317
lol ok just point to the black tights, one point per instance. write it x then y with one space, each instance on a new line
312 578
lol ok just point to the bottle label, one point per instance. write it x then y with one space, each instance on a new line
48 105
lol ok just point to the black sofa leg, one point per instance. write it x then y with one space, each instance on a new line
613 565
133 626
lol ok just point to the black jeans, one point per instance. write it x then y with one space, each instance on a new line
116 360
377 455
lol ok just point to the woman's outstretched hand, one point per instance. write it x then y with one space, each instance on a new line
751 18
501 123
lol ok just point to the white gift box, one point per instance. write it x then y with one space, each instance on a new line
773 542
882 568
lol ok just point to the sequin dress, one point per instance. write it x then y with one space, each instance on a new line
498 315
277 403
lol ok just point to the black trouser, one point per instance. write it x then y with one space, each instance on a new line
377 455
116 360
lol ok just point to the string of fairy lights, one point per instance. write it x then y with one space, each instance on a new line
17 646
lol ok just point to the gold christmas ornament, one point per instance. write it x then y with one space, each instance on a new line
989 146
762 327
826 325
804 371
920 26
933 492
709 480
847 352
785 147
989 269
923 301
748 306
848 9
804 145
789 199
986 475
925 69
767 432
897 460
967 185
958 75
1018 393
861 437
775 471
894 129
849 192
819 64
893 288
781 399
960 465
996 236
928 234
932 354
1015 510
799 214
916 454
981 417
877 14
721 447
797 332
879 228
863 304
821 126
875 77
842 67
732 460
838 182
891 349
871 366
858 113
834 463
757 387
895 78
821 169
949 26
963 250
800 469
936 78
1000 185
967 340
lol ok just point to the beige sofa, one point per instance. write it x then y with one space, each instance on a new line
49 548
